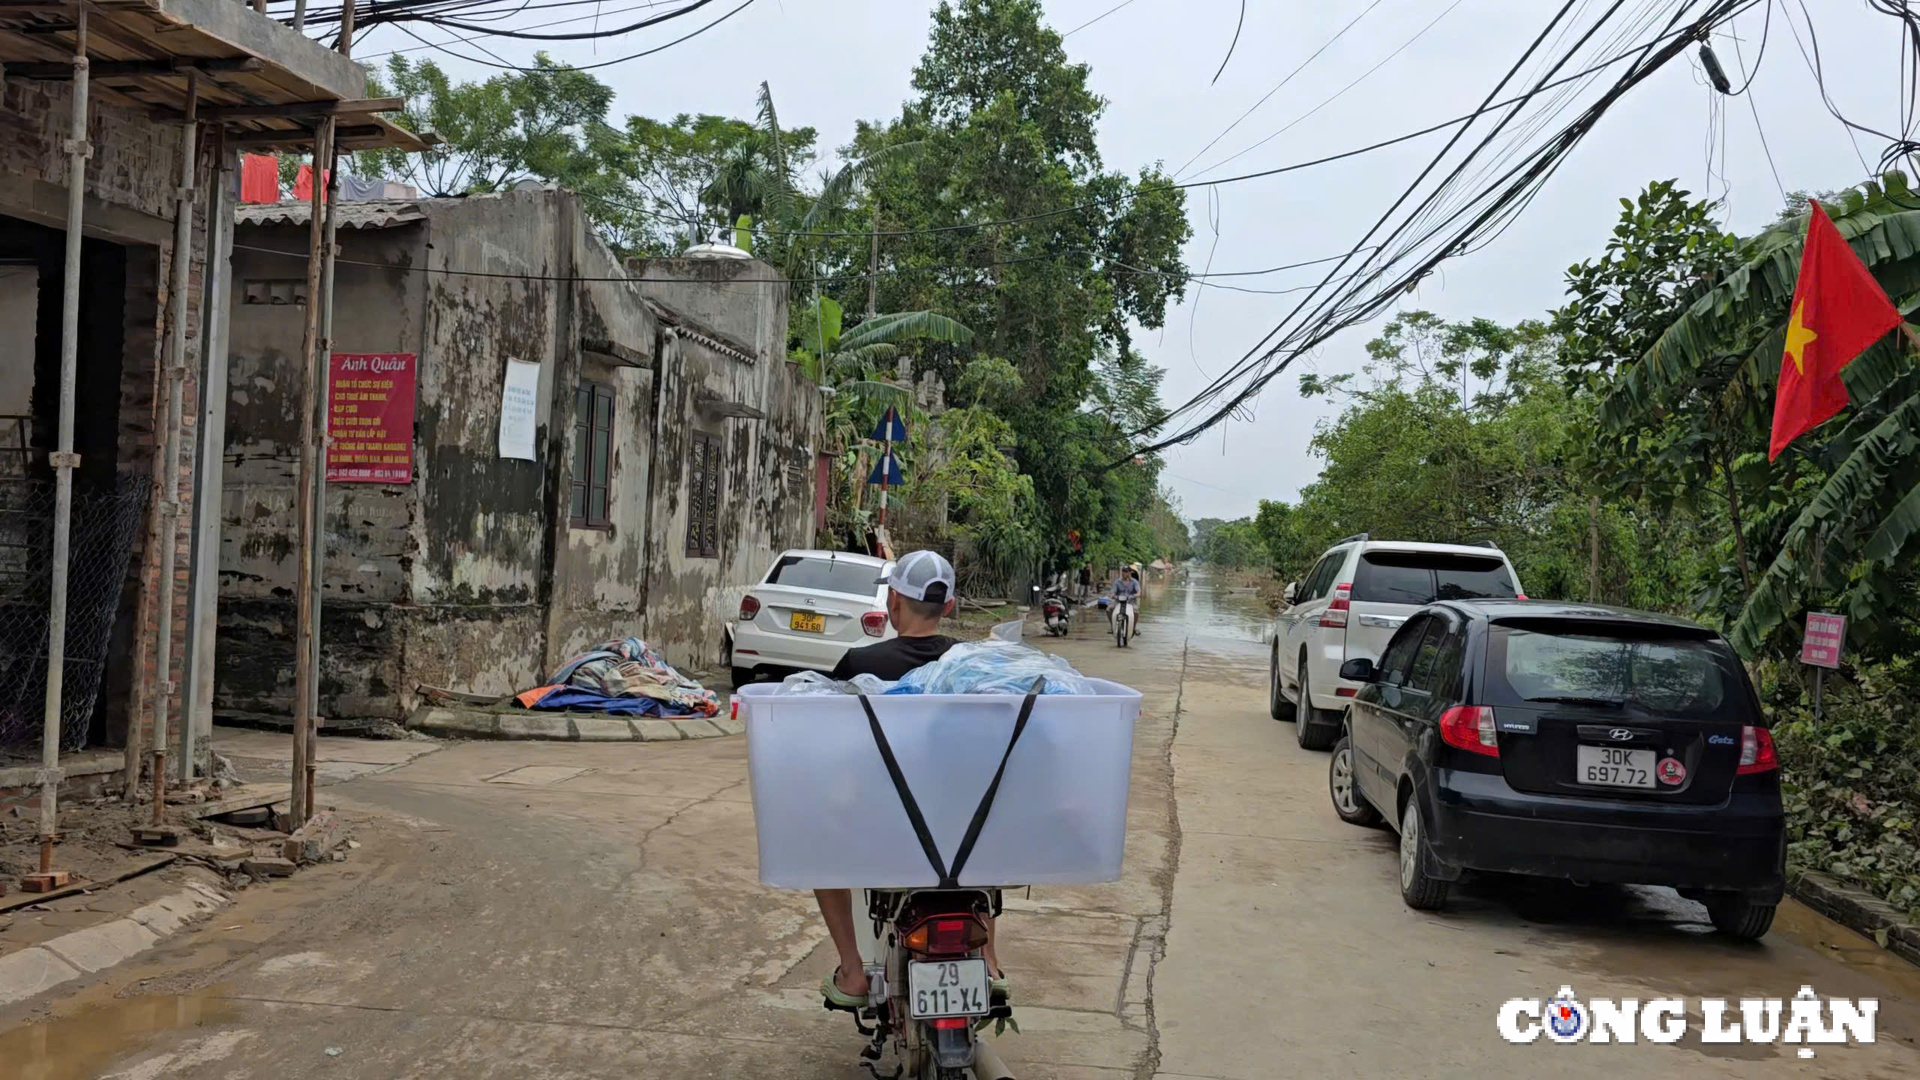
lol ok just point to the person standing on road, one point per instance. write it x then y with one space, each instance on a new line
920 592
1086 581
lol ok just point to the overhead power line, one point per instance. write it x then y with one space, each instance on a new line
1403 257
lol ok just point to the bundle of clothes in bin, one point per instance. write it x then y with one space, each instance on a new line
971 667
626 677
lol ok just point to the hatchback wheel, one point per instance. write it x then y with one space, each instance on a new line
1277 704
741 677
1312 736
1422 893
1736 916
1353 807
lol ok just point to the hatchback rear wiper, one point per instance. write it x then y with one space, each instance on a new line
1607 703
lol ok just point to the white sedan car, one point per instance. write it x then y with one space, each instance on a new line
807 612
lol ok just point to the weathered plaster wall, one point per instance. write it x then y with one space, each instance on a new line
599 584
764 506
369 540
482 530
131 179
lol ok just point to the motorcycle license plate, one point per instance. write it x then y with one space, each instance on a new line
808 622
947 988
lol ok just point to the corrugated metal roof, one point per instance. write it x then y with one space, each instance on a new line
368 214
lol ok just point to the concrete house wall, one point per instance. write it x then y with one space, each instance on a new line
725 345
472 578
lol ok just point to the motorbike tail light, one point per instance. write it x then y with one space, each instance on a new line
1470 728
1336 614
1757 754
951 1023
874 623
749 608
946 935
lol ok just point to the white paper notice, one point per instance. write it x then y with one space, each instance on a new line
517 398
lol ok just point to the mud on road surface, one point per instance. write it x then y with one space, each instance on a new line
592 910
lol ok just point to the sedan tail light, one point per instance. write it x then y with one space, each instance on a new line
1470 728
1756 751
874 623
749 608
1336 614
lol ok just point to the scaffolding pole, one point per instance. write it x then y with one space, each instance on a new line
167 528
196 703
311 392
64 461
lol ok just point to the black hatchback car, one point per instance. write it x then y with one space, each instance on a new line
1570 741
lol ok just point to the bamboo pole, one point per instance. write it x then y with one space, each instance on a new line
310 391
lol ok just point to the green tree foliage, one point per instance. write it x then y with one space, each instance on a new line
1003 127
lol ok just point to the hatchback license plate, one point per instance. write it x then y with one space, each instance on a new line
1614 766
947 988
808 622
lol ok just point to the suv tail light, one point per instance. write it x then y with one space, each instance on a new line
749 607
1336 614
1756 751
1470 728
874 623
946 935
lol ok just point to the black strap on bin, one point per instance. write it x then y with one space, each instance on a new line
949 878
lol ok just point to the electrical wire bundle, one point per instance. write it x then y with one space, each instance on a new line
483 18
1469 193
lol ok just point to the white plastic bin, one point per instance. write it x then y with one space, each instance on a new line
827 815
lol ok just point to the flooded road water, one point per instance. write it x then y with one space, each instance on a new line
1195 603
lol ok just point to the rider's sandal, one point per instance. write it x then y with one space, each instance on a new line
840 999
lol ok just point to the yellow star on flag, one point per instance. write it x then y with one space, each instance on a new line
1799 337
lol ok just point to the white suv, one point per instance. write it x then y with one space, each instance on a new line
807 612
1350 604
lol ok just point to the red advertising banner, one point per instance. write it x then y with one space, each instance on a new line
370 399
1825 635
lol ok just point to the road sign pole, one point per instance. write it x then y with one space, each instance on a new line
1819 688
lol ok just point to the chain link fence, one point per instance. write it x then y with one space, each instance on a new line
105 524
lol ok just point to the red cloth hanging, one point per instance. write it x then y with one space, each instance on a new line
303 184
259 178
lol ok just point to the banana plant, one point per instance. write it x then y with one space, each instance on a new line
1855 480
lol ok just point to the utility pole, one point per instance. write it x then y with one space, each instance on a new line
873 263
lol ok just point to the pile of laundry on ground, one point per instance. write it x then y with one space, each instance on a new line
971 667
625 677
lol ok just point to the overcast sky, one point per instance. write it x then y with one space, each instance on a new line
833 61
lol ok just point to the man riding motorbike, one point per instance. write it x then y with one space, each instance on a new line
919 594
1126 598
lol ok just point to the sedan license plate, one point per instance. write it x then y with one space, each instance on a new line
947 988
1613 766
808 622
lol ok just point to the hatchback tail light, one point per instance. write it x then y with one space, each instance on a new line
1336 614
1470 728
946 935
874 623
1756 751
749 608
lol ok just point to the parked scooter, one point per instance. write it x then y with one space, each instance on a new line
931 990
1057 610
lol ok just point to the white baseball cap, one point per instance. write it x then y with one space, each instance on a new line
921 575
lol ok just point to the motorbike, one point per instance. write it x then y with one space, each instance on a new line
1058 613
930 992
1123 620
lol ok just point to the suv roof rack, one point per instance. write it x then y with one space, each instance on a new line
1351 539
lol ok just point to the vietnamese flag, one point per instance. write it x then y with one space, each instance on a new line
1838 310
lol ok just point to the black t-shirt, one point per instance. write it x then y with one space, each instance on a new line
892 658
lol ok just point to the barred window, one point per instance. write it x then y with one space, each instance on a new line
703 496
